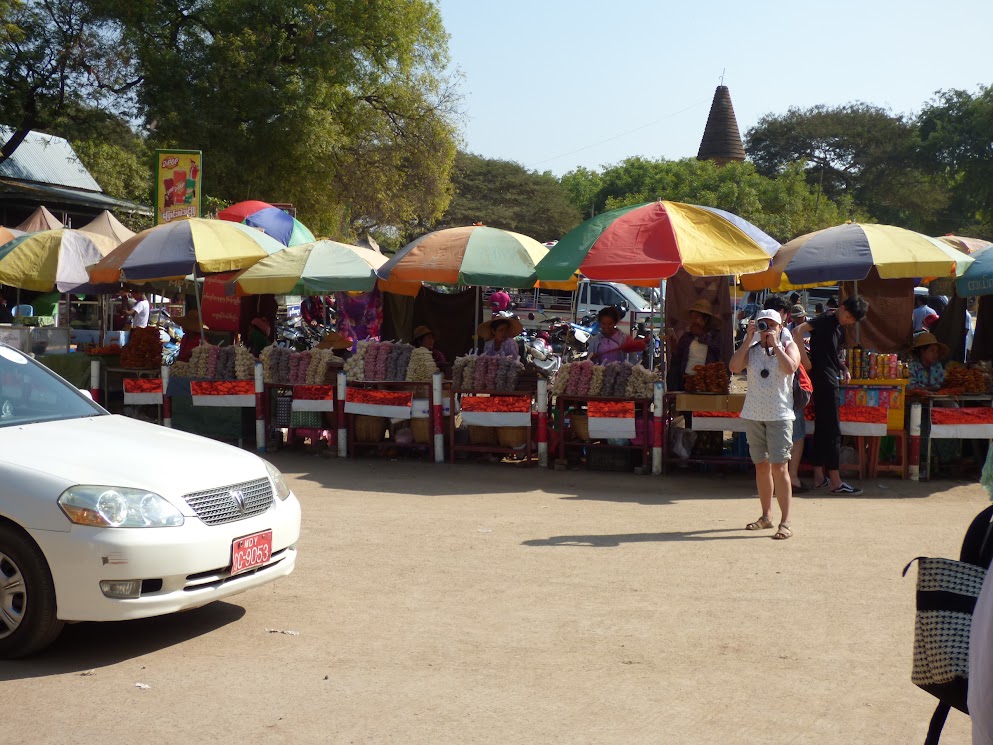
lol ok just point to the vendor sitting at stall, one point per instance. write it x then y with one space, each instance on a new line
191 325
925 370
611 344
700 344
424 337
340 344
499 334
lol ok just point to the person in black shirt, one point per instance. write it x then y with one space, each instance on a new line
827 373
6 315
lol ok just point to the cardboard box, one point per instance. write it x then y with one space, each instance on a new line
731 402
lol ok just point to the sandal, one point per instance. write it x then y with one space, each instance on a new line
763 523
782 533
825 482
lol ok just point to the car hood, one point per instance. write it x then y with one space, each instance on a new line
118 451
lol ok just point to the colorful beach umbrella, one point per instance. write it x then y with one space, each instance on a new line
978 277
847 252
183 247
48 259
647 242
964 244
312 269
476 255
273 221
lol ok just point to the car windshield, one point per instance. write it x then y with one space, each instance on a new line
31 393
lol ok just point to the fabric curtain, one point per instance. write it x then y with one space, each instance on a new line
888 327
451 316
683 289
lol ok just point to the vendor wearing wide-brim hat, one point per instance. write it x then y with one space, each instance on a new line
926 371
700 344
499 333
191 325
425 337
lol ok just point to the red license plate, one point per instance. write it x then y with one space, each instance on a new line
251 551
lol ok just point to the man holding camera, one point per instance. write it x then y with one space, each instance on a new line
771 358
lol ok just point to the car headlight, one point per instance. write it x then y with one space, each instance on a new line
278 483
117 507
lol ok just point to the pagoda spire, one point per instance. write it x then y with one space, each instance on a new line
721 141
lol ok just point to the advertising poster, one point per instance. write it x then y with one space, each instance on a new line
177 184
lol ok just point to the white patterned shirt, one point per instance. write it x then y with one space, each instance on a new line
768 398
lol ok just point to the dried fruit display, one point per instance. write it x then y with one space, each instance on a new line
143 350
712 378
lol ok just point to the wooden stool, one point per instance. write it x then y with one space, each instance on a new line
901 467
862 451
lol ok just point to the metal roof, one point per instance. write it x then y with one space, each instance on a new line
67 195
46 159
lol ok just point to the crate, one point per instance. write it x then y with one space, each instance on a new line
512 437
282 409
369 428
602 459
306 419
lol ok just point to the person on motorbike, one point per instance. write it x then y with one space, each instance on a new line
609 345
313 310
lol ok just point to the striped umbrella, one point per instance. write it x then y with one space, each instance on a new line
847 252
48 259
273 221
180 248
648 242
475 255
312 269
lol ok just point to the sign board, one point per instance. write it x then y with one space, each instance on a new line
177 184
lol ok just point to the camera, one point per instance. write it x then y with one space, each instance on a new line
762 325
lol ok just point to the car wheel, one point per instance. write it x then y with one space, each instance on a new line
28 620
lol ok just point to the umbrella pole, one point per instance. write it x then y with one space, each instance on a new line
479 315
196 295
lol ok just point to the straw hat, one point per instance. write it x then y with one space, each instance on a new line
926 340
485 330
422 331
190 321
798 311
700 306
334 340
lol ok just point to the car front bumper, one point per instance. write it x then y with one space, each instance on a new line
193 562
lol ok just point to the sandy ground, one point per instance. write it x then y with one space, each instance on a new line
495 604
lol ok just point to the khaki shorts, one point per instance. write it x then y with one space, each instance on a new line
769 441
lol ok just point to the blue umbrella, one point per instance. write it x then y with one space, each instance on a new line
978 278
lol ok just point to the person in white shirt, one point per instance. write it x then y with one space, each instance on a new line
140 311
921 311
771 359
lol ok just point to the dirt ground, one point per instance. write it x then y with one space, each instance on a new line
496 604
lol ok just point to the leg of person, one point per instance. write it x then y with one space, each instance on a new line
755 433
796 452
825 425
779 438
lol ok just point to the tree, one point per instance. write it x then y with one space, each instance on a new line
344 109
784 206
956 130
506 195
858 150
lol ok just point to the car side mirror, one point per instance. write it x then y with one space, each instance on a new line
86 393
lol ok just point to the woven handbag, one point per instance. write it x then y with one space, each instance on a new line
947 591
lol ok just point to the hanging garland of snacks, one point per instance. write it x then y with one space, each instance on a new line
283 366
144 349
616 380
486 373
381 361
217 363
712 378
422 366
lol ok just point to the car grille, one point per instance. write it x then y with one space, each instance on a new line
219 506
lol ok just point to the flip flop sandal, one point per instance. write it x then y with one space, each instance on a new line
763 523
782 533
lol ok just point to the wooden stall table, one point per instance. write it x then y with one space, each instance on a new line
390 400
499 410
971 418
608 418
889 394
720 414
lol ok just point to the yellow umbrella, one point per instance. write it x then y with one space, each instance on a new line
312 269
48 259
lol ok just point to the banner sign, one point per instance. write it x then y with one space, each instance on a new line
177 184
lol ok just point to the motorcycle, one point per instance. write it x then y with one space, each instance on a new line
539 353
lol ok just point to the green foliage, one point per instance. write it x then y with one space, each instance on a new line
857 151
783 206
503 194
956 131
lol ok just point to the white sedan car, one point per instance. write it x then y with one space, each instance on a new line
105 518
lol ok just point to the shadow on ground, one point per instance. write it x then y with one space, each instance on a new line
89 646
612 541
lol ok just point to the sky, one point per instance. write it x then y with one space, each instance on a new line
555 85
